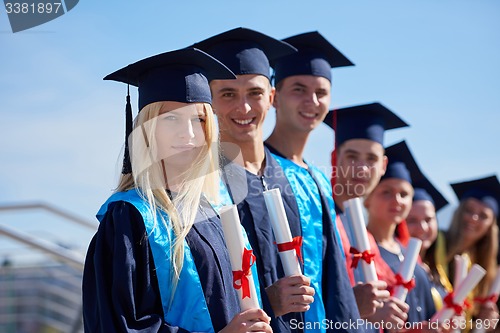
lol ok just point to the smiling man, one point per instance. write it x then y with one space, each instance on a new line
241 106
303 84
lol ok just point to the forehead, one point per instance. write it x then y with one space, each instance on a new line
422 206
362 146
241 82
312 81
395 184
477 205
178 107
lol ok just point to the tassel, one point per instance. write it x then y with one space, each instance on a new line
127 165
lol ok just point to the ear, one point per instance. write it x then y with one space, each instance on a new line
385 160
273 99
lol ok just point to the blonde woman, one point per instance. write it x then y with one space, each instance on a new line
473 231
158 262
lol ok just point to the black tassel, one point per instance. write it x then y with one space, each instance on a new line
127 165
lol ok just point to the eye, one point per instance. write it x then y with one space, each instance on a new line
170 118
350 157
321 93
200 119
483 217
256 93
228 95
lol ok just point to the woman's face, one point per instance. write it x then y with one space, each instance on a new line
422 223
476 220
390 201
180 133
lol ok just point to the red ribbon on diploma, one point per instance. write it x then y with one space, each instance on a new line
458 308
366 255
248 259
409 285
295 244
481 300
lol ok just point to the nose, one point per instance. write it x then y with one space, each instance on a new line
186 130
313 99
243 106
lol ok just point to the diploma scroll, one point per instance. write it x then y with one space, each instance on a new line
407 267
241 258
281 229
492 296
454 302
360 241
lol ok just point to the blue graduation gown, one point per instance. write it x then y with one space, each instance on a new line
121 289
313 194
255 219
419 298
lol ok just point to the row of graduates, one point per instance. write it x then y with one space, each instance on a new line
401 202
159 263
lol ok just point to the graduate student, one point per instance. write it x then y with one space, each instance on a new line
241 106
158 261
388 205
473 232
358 163
422 223
303 93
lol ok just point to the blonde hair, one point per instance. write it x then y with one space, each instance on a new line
149 177
483 252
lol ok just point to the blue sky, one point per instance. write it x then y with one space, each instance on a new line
434 63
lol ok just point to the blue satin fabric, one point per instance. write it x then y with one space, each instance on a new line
188 308
324 261
310 211
246 190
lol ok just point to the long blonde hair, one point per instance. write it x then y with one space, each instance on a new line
483 252
149 177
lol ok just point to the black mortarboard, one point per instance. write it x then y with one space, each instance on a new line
245 51
316 56
180 76
485 189
402 164
367 121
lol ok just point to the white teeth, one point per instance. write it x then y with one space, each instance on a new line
243 122
308 115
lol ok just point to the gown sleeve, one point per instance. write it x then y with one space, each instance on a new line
120 287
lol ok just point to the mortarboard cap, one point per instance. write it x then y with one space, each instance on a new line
367 121
245 51
485 189
180 76
402 165
316 56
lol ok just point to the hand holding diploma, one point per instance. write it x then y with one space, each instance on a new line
454 302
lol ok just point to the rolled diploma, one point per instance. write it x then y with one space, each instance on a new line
281 230
233 235
460 269
475 275
494 290
407 266
356 220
